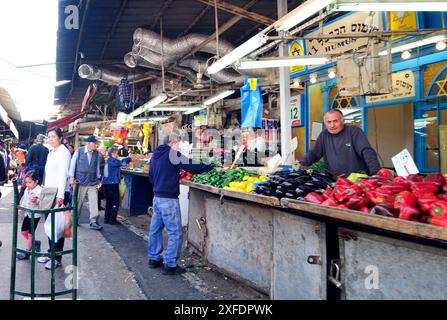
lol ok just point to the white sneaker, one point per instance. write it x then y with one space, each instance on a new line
56 265
43 259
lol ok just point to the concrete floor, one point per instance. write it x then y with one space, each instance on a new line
113 265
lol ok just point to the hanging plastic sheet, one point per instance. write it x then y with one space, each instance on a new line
252 104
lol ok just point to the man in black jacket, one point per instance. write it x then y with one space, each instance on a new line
36 158
345 148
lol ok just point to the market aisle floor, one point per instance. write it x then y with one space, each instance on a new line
112 265
102 273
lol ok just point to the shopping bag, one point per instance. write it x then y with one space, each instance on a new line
59 225
252 104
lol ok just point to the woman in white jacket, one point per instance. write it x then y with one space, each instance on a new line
56 176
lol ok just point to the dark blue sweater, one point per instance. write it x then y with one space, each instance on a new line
164 171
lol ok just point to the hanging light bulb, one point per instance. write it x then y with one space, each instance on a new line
406 54
313 78
331 73
441 45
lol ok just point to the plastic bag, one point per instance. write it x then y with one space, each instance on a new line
59 225
252 104
68 228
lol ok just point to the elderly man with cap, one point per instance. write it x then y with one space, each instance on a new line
85 168
36 158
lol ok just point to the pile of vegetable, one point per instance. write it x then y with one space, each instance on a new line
414 198
295 184
223 178
246 185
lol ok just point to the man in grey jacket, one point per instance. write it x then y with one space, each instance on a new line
85 167
345 149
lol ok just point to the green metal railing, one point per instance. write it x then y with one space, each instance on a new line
52 254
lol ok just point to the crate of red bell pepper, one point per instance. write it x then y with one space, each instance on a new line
414 198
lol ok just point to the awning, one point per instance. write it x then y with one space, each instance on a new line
65 121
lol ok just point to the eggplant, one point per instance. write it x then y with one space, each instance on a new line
301 180
291 194
279 194
268 192
385 211
289 184
302 191
315 185
282 189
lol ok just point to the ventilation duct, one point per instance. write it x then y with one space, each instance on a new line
179 47
90 72
147 44
132 61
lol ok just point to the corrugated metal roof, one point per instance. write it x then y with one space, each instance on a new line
109 26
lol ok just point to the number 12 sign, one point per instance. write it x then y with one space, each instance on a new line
296 111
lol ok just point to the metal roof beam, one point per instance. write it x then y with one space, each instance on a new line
240 12
221 30
194 22
81 31
115 23
161 13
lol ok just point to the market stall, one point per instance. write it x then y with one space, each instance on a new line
136 188
294 249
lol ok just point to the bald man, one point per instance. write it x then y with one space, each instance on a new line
345 148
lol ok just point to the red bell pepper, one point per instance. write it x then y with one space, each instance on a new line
385 173
442 196
330 203
406 199
328 193
342 182
356 202
425 201
366 184
444 188
437 222
314 198
395 187
415 178
436 178
424 187
364 209
380 197
439 209
409 213
402 180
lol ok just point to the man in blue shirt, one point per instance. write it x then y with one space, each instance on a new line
164 174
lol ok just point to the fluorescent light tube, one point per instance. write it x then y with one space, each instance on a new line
149 119
249 46
217 97
174 109
195 109
414 44
148 105
301 13
282 62
390 5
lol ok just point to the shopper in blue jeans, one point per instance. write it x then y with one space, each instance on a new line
164 174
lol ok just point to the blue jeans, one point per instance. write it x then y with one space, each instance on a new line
166 213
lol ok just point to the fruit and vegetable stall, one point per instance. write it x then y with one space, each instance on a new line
304 234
